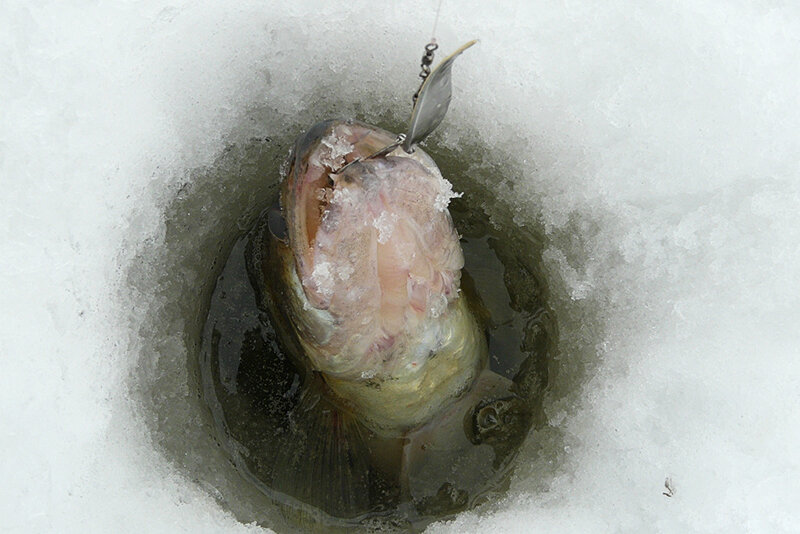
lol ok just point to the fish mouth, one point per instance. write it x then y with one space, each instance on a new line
373 263
322 150
411 247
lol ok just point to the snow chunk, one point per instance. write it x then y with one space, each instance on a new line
335 148
385 224
322 277
343 196
444 195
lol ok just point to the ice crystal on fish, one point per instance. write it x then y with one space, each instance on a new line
445 195
385 225
322 277
335 149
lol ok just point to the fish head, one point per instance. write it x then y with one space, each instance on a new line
373 246
373 262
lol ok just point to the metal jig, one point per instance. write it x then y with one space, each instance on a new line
430 103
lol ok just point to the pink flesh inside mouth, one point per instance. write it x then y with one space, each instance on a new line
376 247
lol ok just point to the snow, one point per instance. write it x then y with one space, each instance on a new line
446 194
385 224
322 278
655 145
335 149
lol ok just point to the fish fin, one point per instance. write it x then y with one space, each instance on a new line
325 461
449 459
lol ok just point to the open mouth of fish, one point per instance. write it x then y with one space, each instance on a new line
373 264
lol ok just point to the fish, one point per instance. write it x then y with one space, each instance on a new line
361 271
373 263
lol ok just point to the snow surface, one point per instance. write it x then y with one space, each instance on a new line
660 147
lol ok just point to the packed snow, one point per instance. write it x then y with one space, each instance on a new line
658 146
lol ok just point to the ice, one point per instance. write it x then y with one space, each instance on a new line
446 194
333 153
385 224
322 279
653 144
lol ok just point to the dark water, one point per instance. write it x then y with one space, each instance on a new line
300 449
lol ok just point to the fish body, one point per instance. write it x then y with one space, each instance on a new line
369 275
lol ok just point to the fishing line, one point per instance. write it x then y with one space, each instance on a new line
427 57
436 22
